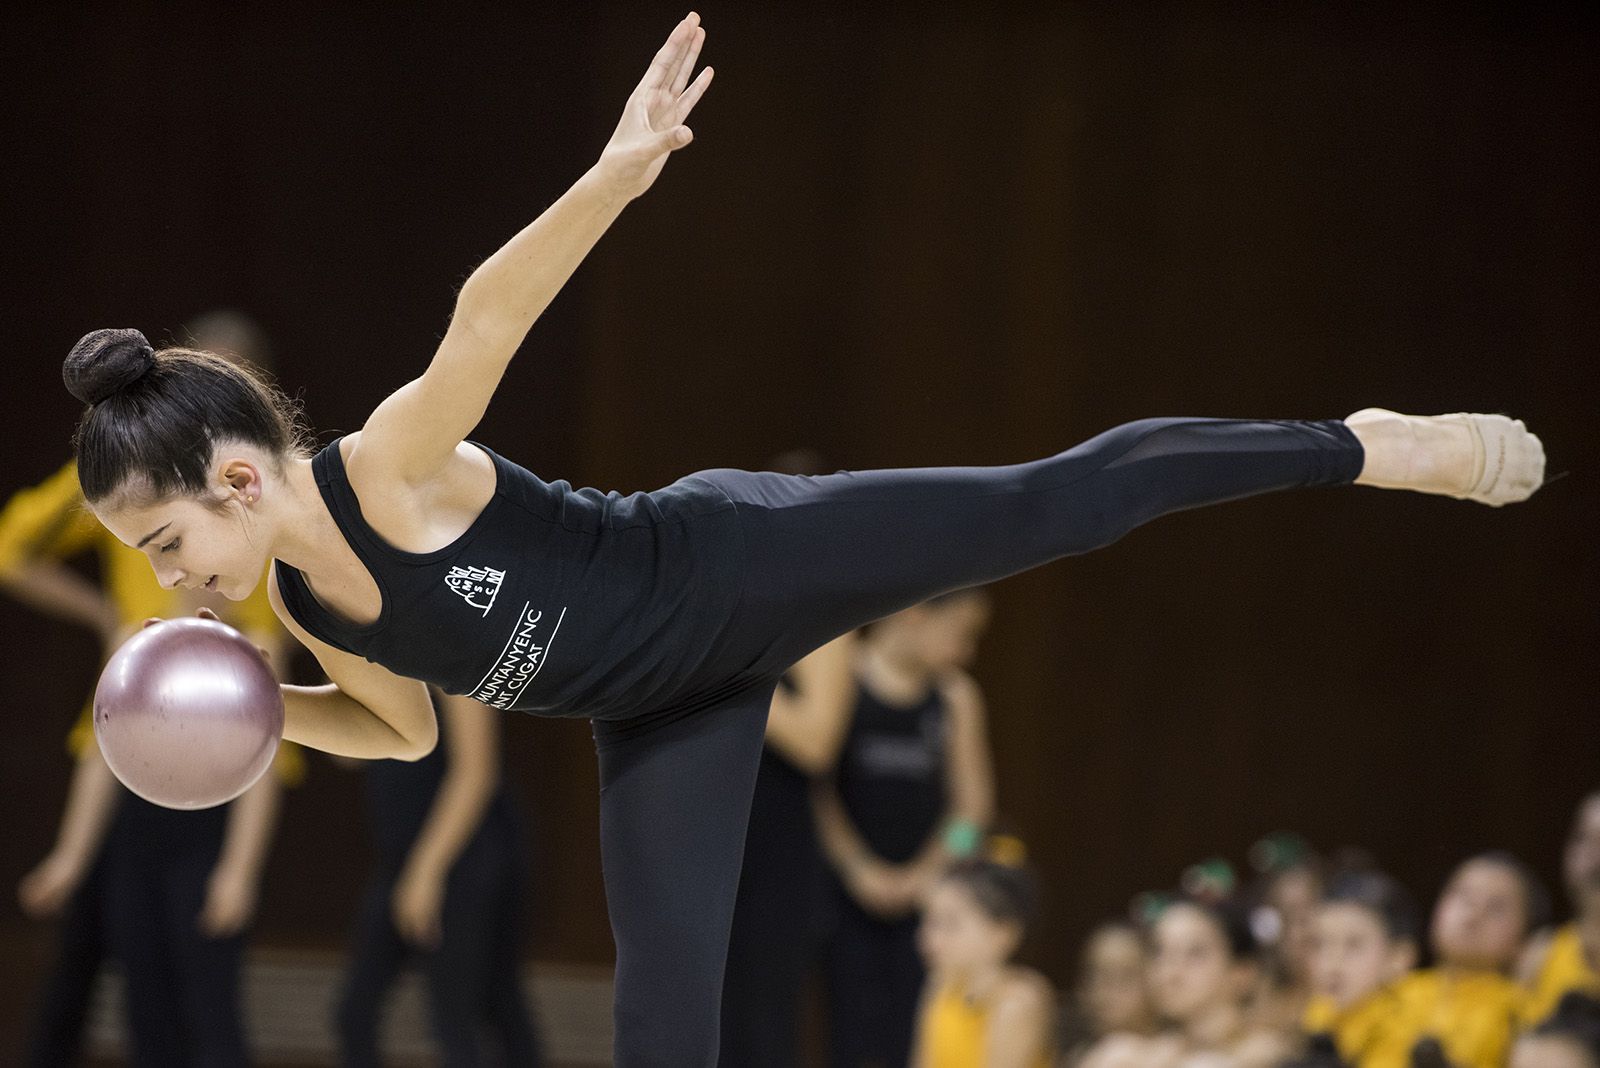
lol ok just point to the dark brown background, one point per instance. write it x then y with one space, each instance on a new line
907 237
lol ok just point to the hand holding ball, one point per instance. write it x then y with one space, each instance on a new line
188 714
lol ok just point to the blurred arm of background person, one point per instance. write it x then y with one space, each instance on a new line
471 775
91 802
54 589
234 884
233 888
807 725
38 527
969 778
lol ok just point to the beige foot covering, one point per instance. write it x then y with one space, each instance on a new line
1508 461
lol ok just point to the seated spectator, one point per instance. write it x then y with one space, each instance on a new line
1568 959
1364 940
1204 968
1568 1038
1285 898
1111 997
978 1009
1464 1011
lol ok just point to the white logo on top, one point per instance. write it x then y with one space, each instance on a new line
478 586
520 661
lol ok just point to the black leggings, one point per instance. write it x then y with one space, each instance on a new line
826 554
476 1003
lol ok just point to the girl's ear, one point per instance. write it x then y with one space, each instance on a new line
240 478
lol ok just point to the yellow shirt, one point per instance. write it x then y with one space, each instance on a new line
952 1032
50 522
1365 1034
1474 1015
1566 968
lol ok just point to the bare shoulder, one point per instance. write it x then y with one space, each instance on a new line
1025 989
1262 1049
961 692
1130 1051
423 515
1023 1004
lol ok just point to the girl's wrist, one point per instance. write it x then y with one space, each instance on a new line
961 838
856 862
606 181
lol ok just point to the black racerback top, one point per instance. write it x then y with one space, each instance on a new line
891 774
555 601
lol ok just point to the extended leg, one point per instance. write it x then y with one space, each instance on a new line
830 553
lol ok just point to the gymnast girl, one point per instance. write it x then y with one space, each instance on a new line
405 554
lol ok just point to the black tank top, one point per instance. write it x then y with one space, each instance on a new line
555 601
891 775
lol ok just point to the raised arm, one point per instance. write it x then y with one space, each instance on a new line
413 433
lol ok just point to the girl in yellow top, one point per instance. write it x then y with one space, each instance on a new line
1569 960
1467 1003
1364 939
978 1009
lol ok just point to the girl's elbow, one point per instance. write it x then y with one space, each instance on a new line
416 745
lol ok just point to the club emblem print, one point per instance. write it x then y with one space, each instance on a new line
476 585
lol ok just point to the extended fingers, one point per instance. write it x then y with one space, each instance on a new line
691 96
664 67
686 62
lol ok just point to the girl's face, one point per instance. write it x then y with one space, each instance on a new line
1113 992
1481 918
1191 969
1352 954
944 637
1294 894
192 545
958 937
1582 861
1551 1051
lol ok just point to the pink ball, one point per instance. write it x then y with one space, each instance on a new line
187 714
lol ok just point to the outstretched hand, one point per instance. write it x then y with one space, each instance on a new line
204 613
652 123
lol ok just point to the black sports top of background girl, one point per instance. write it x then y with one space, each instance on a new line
891 775
555 601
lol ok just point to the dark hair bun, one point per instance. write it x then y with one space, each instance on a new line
104 362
